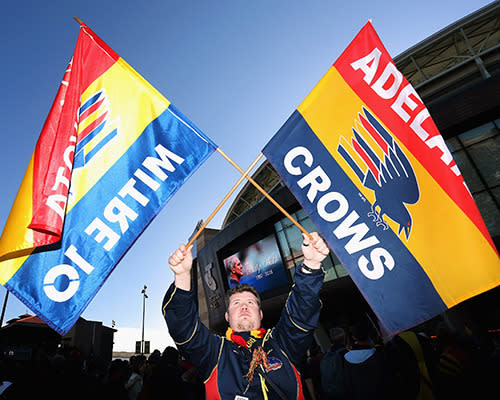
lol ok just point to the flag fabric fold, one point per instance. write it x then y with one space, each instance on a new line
111 153
366 162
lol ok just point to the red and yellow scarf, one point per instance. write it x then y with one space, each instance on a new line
259 356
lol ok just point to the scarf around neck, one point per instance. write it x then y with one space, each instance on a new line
247 340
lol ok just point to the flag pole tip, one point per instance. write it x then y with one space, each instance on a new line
78 20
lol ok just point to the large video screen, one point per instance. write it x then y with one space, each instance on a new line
259 265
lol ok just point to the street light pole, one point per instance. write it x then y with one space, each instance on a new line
4 306
144 297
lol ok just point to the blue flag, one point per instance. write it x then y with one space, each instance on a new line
126 152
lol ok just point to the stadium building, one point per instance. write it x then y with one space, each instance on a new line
456 72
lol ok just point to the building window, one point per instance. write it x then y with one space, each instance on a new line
477 154
290 240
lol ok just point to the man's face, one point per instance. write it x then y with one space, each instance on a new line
237 268
243 313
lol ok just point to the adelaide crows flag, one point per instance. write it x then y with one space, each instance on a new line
365 160
112 152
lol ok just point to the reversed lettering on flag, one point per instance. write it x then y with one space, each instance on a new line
126 153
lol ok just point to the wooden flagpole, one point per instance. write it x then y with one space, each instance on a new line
224 199
259 188
245 175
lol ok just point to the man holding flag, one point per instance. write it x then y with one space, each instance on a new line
249 362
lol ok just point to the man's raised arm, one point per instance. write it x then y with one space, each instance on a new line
300 315
191 337
181 262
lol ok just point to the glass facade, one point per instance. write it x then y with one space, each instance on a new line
290 241
477 154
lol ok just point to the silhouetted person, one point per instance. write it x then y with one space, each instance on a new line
193 385
134 382
333 380
311 373
166 376
114 387
414 362
5 379
461 374
367 372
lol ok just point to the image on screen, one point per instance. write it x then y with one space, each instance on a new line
259 265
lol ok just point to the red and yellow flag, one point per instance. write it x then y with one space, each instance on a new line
112 152
367 163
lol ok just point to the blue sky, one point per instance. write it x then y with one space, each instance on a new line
236 68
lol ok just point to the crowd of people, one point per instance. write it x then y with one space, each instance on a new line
358 365
251 362
70 375
446 365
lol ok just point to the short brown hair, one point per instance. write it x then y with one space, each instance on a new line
243 287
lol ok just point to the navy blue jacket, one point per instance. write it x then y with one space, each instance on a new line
223 364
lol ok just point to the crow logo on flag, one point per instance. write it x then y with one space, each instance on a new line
384 168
